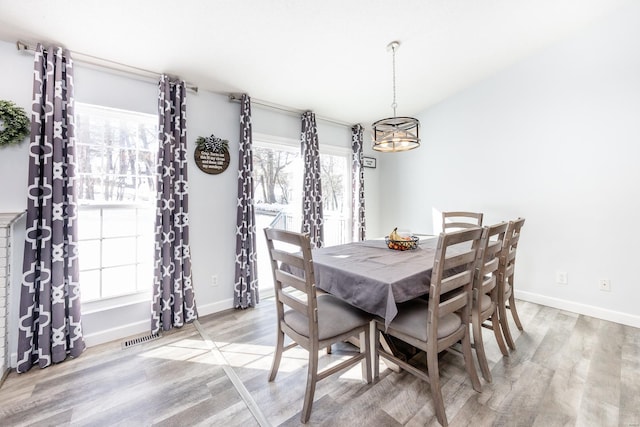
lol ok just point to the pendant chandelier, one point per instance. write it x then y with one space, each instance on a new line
395 133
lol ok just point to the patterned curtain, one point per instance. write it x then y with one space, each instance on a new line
49 327
357 184
173 301
312 219
245 292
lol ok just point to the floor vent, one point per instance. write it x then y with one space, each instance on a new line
140 340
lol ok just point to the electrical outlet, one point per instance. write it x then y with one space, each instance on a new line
214 281
562 278
605 285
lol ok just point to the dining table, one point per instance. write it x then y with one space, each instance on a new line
374 278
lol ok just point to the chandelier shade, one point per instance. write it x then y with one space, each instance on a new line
395 133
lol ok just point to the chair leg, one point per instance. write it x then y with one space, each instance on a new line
468 362
312 379
376 354
504 325
436 391
367 354
495 325
478 343
277 356
514 312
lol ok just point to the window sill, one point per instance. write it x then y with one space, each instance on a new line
115 302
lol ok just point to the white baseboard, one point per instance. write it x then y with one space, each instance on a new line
124 331
215 307
587 310
118 333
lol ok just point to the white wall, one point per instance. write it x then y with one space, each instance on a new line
212 198
554 139
16 85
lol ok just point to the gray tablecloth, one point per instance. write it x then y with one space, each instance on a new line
372 277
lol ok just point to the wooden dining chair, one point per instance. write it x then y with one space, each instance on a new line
454 221
484 311
313 321
506 298
436 324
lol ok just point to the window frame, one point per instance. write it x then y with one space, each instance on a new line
275 142
270 141
138 293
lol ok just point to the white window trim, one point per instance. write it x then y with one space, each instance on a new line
271 141
261 140
136 296
111 303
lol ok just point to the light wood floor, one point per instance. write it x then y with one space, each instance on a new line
568 370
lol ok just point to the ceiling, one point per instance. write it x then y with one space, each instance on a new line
328 56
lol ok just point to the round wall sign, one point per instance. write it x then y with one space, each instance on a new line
212 154
210 162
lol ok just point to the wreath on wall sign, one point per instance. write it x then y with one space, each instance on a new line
14 123
212 144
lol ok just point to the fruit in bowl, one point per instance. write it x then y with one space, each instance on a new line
399 242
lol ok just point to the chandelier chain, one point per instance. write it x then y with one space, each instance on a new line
394 105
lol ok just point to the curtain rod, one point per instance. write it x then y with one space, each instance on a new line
106 63
237 97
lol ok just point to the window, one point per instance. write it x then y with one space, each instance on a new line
278 168
116 153
336 196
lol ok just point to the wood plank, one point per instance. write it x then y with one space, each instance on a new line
601 397
630 378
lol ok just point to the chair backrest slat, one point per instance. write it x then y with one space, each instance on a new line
293 260
455 281
460 260
291 300
287 279
456 220
452 304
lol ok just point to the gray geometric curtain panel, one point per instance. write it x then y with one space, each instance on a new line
245 293
312 219
173 301
357 184
49 327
